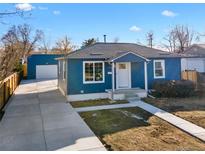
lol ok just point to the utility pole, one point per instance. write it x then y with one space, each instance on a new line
150 39
104 38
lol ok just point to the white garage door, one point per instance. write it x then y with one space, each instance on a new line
46 71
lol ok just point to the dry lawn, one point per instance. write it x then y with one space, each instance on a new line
96 102
191 109
136 129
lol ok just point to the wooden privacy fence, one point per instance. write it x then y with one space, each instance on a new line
190 75
24 70
7 87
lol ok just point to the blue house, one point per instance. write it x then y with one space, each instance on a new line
112 70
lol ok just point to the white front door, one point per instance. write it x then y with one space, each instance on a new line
123 75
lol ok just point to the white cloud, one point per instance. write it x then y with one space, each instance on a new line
56 12
42 8
24 7
135 29
169 13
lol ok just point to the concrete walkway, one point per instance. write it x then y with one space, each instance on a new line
184 125
38 118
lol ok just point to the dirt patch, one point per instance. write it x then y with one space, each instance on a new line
191 109
97 102
136 129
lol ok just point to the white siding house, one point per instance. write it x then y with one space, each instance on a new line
197 64
194 59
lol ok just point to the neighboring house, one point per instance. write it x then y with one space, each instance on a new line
42 66
88 73
194 58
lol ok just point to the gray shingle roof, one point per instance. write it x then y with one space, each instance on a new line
197 50
110 51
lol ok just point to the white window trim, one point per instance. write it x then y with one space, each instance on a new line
103 69
163 68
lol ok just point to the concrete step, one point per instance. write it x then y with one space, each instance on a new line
130 94
136 98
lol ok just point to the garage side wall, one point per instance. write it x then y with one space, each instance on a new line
35 60
62 79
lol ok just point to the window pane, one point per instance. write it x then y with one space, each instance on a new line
88 71
158 65
122 66
98 71
159 72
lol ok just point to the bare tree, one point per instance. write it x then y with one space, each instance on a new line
45 47
64 45
26 39
150 37
17 43
171 41
179 39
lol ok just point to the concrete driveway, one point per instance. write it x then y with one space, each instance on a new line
38 118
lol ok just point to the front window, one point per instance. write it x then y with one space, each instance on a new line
93 72
159 69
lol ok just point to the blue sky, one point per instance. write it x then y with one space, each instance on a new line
128 22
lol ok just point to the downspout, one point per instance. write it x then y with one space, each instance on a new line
145 76
113 80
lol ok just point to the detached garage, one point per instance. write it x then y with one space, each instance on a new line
42 66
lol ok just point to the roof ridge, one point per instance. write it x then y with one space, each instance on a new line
115 48
130 43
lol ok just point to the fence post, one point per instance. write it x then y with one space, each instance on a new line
14 81
6 91
2 95
12 84
4 99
